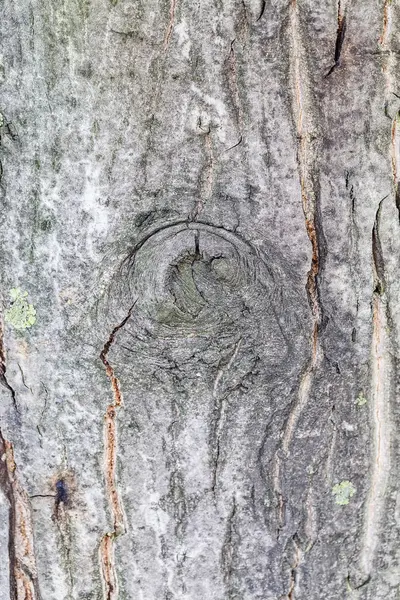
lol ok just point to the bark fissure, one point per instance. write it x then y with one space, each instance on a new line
303 110
303 117
108 571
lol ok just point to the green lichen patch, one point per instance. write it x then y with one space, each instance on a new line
361 399
343 491
21 313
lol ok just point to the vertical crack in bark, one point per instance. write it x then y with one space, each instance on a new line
24 583
170 27
108 571
306 156
380 403
341 30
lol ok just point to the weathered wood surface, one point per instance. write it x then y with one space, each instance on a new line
200 388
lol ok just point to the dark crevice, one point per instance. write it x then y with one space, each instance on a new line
397 198
319 252
109 342
340 37
235 145
341 30
3 368
377 255
43 496
4 382
262 11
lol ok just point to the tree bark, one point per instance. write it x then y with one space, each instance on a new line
200 300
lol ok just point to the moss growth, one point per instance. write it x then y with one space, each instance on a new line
361 399
21 314
343 491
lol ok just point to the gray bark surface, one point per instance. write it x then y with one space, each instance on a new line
200 300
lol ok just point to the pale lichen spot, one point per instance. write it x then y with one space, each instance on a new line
343 491
21 313
361 399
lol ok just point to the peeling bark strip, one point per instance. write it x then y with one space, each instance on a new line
380 404
24 583
106 550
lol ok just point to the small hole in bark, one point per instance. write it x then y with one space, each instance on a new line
62 495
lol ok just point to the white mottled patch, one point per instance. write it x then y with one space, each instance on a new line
183 38
91 203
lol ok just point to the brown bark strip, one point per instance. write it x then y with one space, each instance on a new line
106 550
387 22
170 24
24 583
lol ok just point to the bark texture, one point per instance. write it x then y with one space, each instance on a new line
200 300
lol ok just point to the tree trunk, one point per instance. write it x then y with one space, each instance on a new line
200 280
